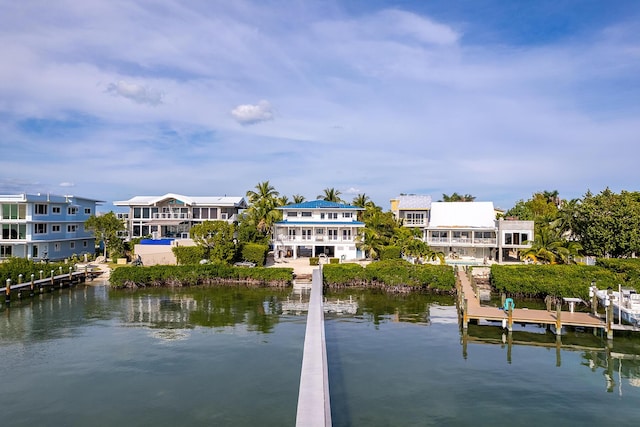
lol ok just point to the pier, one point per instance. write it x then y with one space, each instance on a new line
54 281
314 407
471 310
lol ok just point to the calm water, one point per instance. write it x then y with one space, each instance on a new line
229 357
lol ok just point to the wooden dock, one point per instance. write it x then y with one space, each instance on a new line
471 310
54 281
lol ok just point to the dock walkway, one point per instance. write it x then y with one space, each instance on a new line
472 310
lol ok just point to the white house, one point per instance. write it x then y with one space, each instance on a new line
318 227
464 229
45 226
173 215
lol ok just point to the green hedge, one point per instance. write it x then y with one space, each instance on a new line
13 267
628 268
186 255
556 280
193 275
254 252
391 273
390 252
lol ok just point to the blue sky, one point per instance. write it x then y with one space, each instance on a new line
498 99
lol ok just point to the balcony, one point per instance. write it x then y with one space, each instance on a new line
171 215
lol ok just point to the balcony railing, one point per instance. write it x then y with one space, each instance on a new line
171 215
462 242
317 239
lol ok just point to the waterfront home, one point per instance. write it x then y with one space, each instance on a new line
45 226
464 230
317 227
172 215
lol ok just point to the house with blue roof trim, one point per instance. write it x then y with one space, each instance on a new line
318 227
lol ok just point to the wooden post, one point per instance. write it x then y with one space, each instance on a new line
70 273
510 319
609 317
503 298
594 302
465 314
465 341
558 319
19 279
509 346
41 274
7 292
558 352
33 284
86 272
52 280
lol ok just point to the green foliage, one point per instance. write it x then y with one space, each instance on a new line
628 269
391 273
556 280
13 267
390 252
254 252
188 254
608 224
194 275
105 228
216 238
314 260
334 260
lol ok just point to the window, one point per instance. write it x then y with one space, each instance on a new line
72 210
306 214
332 215
72 245
72 228
85 243
306 234
292 214
346 234
333 234
41 209
14 231
292 234
524 237
56 247
87 211
14 211
40 228
137 212
5 251
346 214
55 228
56 210
508 240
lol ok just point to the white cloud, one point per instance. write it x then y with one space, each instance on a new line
248 114
137 93
67 184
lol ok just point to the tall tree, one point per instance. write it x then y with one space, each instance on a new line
608 224
264 193
331 195
549 247
217 239
297 198
455 197
361 200
106 228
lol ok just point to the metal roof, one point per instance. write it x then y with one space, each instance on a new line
320 204
187 200
413 201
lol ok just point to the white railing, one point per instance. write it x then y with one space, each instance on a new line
171 215
313 240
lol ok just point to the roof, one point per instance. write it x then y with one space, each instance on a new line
40 197
320 204
322 223
413 201
462 215
187 200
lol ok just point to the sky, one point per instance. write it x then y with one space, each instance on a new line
109 99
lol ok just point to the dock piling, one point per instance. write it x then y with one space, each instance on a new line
33 283
7 292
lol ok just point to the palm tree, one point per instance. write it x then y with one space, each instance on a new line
455 197
331 195
548 247
297 198
282 201
361 200
264 192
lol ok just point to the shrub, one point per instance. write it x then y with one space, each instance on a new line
254 252
314 260
186 255
390 252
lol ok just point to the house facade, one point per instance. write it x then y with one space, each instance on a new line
318 227
173 215
45 226
464 230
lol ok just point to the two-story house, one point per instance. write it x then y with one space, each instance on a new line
173 215
318 227
45 226
464 230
